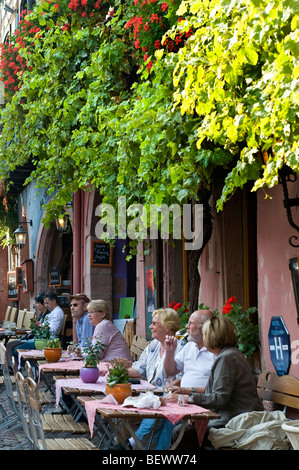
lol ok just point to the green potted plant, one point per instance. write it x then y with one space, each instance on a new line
53 350
118 379
91 357
246 326
41 333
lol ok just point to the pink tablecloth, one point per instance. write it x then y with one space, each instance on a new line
39 355
99 386
31 352
171 411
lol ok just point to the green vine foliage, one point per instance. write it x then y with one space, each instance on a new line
8 219
89 116
239 73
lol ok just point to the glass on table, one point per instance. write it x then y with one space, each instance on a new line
167 385
181 334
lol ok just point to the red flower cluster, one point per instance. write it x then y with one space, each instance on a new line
85 7
228 305
176 306
148 27
12 65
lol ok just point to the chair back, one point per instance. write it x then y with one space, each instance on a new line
13 314
20 319
7 381
7 315
34 410
61 336
27 319
23 406
31 374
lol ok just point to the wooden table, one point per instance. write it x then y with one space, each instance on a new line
73 387
63 367
118 418
6 334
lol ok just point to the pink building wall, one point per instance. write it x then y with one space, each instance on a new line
275 293
275 289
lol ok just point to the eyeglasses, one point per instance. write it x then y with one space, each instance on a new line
74 305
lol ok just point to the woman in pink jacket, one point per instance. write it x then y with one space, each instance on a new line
115 345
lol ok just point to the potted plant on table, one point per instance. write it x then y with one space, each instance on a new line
41 333
118 379
53 350
91 358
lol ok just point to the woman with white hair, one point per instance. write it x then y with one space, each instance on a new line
114 343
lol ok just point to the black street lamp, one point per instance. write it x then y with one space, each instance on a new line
21 234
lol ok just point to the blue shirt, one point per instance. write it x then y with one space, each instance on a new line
84 330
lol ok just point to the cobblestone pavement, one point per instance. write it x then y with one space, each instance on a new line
16 439
12 438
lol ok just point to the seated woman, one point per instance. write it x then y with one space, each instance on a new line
115 345
231 388
150 364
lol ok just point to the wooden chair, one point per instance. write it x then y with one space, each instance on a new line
20 319
45 397
11 420
27 319
7 314
130 331
282 391
33 423
55 422
138 346
13 315
62 334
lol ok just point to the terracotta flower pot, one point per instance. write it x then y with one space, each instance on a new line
119 391
89 375
52 354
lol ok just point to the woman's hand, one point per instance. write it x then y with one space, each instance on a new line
172 397
170 343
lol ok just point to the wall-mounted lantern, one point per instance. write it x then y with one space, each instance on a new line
62 222
21 234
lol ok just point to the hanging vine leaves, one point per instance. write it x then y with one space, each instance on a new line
89 117
239 73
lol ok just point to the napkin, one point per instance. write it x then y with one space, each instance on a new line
109 399
144 400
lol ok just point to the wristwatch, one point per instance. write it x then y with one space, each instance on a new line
190 398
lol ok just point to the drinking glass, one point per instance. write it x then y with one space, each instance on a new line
181 334
167 385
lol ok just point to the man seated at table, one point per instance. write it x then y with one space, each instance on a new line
78 306
56 316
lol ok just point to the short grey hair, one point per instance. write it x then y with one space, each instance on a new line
100 306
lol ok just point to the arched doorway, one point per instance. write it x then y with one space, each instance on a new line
53 249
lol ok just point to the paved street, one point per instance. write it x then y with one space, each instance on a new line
12 438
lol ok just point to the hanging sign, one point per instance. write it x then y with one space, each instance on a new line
279 344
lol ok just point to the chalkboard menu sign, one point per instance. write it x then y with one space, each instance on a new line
100 254
55 277
12 288
27 272
19 276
